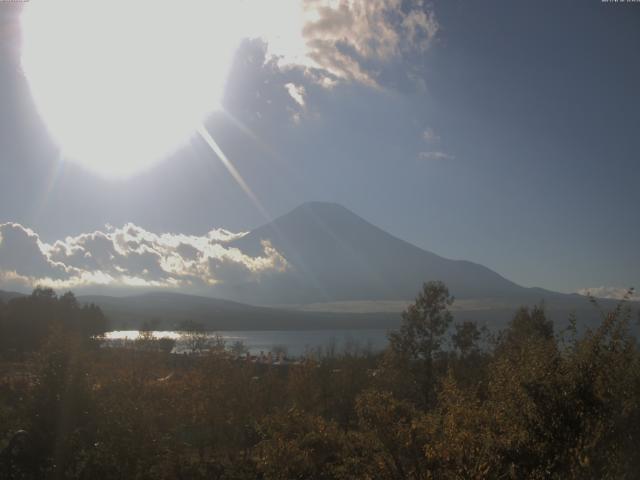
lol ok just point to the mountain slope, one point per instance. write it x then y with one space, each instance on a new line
335 255
5 296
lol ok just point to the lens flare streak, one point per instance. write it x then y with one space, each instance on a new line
202 131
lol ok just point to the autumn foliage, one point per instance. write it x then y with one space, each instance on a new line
444 401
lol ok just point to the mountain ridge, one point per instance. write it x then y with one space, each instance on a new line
336 255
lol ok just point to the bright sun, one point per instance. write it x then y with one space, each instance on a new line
122 84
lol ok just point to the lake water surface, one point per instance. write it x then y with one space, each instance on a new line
295 342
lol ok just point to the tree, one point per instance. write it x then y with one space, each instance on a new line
239 348
28 321
194 336
465 339
529 325
414 347
424 323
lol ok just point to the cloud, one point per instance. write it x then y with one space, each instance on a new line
130 256
21 252
261 89
355 39
430 135
615 293
295 52
435 156
296 92
344 40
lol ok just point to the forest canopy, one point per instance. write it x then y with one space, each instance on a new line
26 322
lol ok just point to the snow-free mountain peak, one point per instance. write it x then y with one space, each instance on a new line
335 255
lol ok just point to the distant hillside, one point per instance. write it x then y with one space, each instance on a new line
169 309
6 296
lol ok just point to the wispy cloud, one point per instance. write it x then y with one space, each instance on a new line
130 256
435 156
430 136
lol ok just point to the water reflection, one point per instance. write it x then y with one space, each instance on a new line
292 342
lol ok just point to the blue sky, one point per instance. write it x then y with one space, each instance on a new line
506 133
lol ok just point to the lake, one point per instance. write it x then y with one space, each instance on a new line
295 342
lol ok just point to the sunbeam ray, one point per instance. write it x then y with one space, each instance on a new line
202 130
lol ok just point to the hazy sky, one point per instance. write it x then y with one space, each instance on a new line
506 133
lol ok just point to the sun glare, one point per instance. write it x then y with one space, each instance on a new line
122 84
